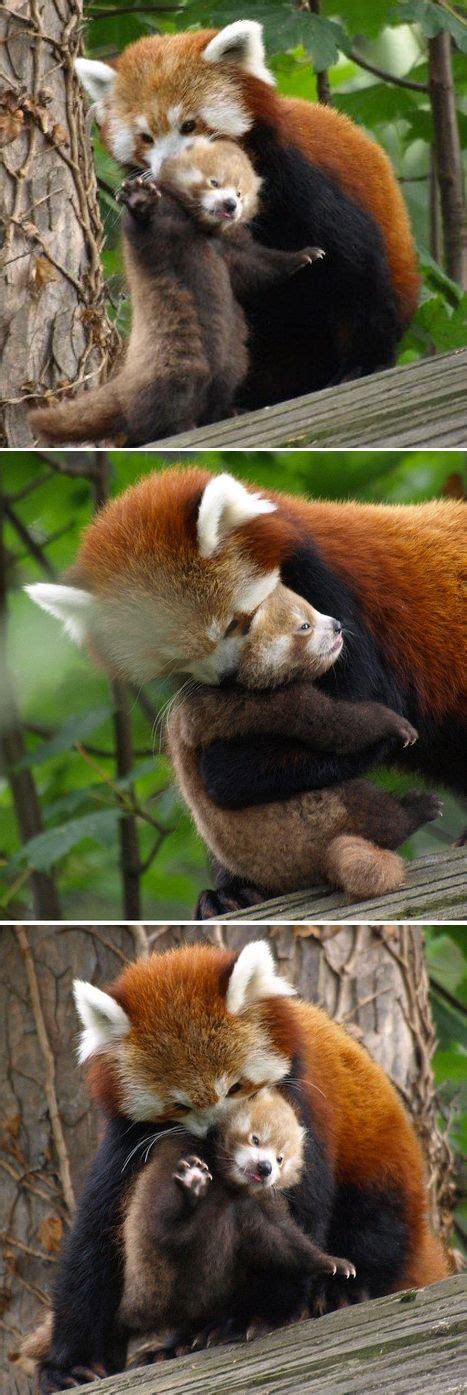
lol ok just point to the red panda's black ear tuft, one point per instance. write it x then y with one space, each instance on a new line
254 977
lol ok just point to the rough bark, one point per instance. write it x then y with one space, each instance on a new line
448 153
371 978
54 330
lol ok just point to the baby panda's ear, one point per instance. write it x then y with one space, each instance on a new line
97 78
225 505
240 43
103 1020
254 977
67 603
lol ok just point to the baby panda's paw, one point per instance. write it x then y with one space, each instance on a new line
343 1267
139 196
403 729
422 804
193 1174
312 254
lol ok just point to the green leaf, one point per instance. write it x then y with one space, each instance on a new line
43 851
432 20
75 729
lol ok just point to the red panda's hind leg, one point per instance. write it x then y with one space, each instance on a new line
361 869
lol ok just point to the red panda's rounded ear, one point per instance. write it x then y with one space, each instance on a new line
70 604
254 977
226 505
97 78
240 43
103 1020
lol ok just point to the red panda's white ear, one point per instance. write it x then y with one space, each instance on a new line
67 603
103 1019
254 977
225 505
97 78
240 43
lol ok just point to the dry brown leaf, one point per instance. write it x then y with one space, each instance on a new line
12 1125
60 134
50 1234
11 126
42 272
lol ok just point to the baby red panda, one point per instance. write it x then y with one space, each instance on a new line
326 182
184 1038
208 1234
205 1247
187 352
341 833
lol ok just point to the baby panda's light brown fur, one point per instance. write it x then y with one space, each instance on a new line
205 1238
187 258
342 833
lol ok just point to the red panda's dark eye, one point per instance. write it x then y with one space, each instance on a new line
280 1159
234 1089
187 127
305 626
147 138
255 1140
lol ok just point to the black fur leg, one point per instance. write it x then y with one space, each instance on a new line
52 1378
424 807
211 904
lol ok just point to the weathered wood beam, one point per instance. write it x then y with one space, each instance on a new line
419 404
408 1344
436 890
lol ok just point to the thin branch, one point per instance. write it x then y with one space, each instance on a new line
33 547
27 1249
49 1082
387 77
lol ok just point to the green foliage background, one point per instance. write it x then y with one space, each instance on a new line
446 948
65 703
390 35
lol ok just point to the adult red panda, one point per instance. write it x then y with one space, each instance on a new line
166 572
325 183
182 1038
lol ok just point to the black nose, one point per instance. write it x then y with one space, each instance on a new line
337 627
264 1168
230 205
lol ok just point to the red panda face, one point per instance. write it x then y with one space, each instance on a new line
262 1143
182 1035
287 638
219 179
166 89
163 571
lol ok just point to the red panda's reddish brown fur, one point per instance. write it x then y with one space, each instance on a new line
387 553
366 1131
325 136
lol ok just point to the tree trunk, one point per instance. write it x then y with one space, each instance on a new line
448 154
54 330
370 978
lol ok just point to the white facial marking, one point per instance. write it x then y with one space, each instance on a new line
143 125
174 115
266 1065
226 115
222 660
121 140
103 1020
164 147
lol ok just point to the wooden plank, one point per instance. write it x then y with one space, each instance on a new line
436 889
401 1345
420 404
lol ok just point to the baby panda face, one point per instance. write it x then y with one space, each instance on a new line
261 1144
219 178
287 638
